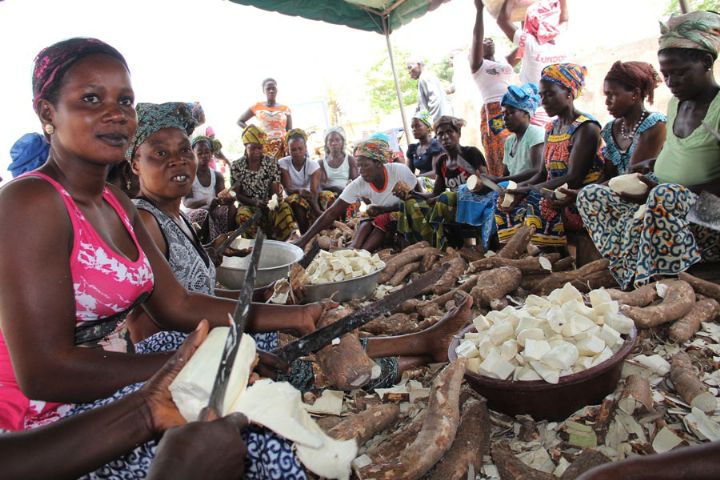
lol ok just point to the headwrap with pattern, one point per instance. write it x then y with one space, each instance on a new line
203 138
374 149
156 116
296 132
695 30
253 134
425 117
567 75
454 122
524 97
52 62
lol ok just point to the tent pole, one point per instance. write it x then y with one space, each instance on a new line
395 78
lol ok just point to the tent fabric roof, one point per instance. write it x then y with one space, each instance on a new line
360 14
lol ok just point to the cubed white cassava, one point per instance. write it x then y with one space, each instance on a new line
551 336
342 265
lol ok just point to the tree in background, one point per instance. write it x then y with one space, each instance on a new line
381 87
693 5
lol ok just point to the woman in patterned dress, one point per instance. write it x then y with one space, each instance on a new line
256 177
571 156
649 236
273 118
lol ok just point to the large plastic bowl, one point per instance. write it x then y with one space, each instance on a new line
547 401
275 260
353 289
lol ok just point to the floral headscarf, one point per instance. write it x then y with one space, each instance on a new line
52 62
374 149
567 75
696 30
253 134
156 116
296 132
524 97
425 117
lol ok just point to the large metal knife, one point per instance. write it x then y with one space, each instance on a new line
237 328
324 336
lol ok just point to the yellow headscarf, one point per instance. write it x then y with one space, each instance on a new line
252 134
296 132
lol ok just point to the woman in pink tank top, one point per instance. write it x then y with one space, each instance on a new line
77 257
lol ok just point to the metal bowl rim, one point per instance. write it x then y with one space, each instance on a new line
311 285
293 248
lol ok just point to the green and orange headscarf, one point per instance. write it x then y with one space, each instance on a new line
695 30
567 75
374 149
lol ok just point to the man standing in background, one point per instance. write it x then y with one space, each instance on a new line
431 94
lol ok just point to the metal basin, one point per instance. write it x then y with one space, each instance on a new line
548 401
355 288
275 261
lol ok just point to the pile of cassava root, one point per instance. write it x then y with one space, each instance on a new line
432 425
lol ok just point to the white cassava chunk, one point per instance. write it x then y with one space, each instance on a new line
342 265
598 297
495 366
481 323
500 332
549 374
619 323
590 346
528 334
473 364
509 198
526 373
567 293
562 356
509 349
545 263
467 349
602 356
526 322
630 184
556 319
191 388
485 345
278 406
610 336
535 349
559 195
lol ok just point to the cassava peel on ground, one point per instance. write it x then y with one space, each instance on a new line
704 310
366 424
346 366
436 435
678 301
471 444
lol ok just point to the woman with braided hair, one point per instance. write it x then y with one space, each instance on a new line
635 134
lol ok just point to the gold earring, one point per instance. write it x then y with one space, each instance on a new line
49 129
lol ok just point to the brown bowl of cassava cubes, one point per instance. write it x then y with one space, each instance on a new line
549 357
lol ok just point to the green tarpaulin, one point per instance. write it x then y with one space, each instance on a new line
361 14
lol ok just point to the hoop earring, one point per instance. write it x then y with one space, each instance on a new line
49 128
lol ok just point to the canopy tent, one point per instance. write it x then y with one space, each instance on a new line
380 16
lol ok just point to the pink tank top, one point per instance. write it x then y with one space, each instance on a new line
105 283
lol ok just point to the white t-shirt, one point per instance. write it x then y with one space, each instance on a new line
299 179
536 56
394 173
493 79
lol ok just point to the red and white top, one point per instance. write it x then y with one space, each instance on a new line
105 284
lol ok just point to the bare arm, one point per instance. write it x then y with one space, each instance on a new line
503 20
564 14
512 58
649 144
353 168
288 123
476 51
315 190
287 182
242 121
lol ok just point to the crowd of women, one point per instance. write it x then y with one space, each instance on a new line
97 290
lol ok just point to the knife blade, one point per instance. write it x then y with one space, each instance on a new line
310 255
325 335
235 333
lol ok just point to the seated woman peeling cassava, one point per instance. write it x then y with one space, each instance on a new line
78 256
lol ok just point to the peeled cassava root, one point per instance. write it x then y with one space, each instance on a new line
630 184
688 385
679 299
493 285
437 434
471 443
366 424
704 310
346 366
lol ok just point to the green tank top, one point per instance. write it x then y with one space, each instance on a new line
694 159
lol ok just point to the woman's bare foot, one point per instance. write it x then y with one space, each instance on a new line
439 336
